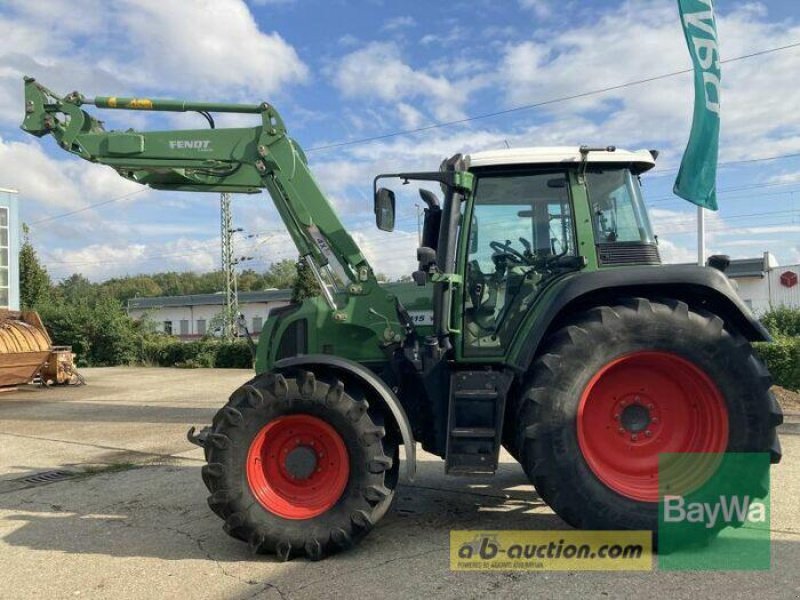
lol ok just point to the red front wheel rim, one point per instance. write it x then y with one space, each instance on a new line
297 467
640 406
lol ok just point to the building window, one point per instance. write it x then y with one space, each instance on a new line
3 257
168 327
184 327
258 323
201 326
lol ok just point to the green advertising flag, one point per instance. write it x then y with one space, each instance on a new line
697 177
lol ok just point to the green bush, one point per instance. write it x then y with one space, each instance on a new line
782 358
233 355
783 321
165 351
101 334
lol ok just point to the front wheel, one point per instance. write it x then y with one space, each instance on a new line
623 385
299 466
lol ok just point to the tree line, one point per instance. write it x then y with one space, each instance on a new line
92 317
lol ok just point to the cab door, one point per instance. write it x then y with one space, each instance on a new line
521 233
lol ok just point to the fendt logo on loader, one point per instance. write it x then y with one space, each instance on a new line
201 145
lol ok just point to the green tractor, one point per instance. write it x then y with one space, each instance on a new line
545 324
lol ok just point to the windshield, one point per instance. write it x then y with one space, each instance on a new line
617 207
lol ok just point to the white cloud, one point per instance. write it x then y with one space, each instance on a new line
785 178
211 48
396 23
541 8
412 118
672 253
759 230
101 261
208 44
755 95
393 255
57 185
378 71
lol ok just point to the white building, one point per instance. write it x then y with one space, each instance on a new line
763 284
9 249
194 316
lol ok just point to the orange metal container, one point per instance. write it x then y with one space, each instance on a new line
24 347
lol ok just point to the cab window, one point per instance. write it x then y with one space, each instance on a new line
520 233
617 206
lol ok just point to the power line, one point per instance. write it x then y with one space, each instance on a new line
728 163
539 104
728 230
690 216
88 207
742 188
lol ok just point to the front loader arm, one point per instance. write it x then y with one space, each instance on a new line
235 160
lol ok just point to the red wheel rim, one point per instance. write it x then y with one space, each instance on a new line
297 467
640 406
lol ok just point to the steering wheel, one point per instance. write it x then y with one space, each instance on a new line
506 251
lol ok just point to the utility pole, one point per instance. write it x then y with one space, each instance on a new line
701 236
231 309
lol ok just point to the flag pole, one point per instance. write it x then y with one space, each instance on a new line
701 236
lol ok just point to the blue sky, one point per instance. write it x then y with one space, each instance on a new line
342 71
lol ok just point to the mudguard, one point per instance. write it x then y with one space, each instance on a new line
702 287
370 379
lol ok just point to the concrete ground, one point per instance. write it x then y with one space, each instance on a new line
141 529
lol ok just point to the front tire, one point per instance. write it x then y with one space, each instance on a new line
622 384
299 466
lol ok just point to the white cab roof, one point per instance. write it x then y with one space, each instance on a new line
641 159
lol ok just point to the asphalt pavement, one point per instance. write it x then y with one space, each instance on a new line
134 522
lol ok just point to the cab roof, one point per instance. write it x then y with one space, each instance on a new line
641 160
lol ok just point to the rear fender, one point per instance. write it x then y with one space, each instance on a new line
700 287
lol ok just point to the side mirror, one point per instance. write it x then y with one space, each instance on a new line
384 209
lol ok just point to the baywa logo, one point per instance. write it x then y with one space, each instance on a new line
714 511
730 510
201 145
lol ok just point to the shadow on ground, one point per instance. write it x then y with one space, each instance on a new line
160 511
95 412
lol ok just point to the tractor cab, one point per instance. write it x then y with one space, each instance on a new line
521 219
538 214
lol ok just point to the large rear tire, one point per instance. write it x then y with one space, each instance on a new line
622 384
299 466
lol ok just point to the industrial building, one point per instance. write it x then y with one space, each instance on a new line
191 317
763 284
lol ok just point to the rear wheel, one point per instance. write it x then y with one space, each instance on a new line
621 386
299 465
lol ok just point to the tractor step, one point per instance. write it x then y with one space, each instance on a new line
475 422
